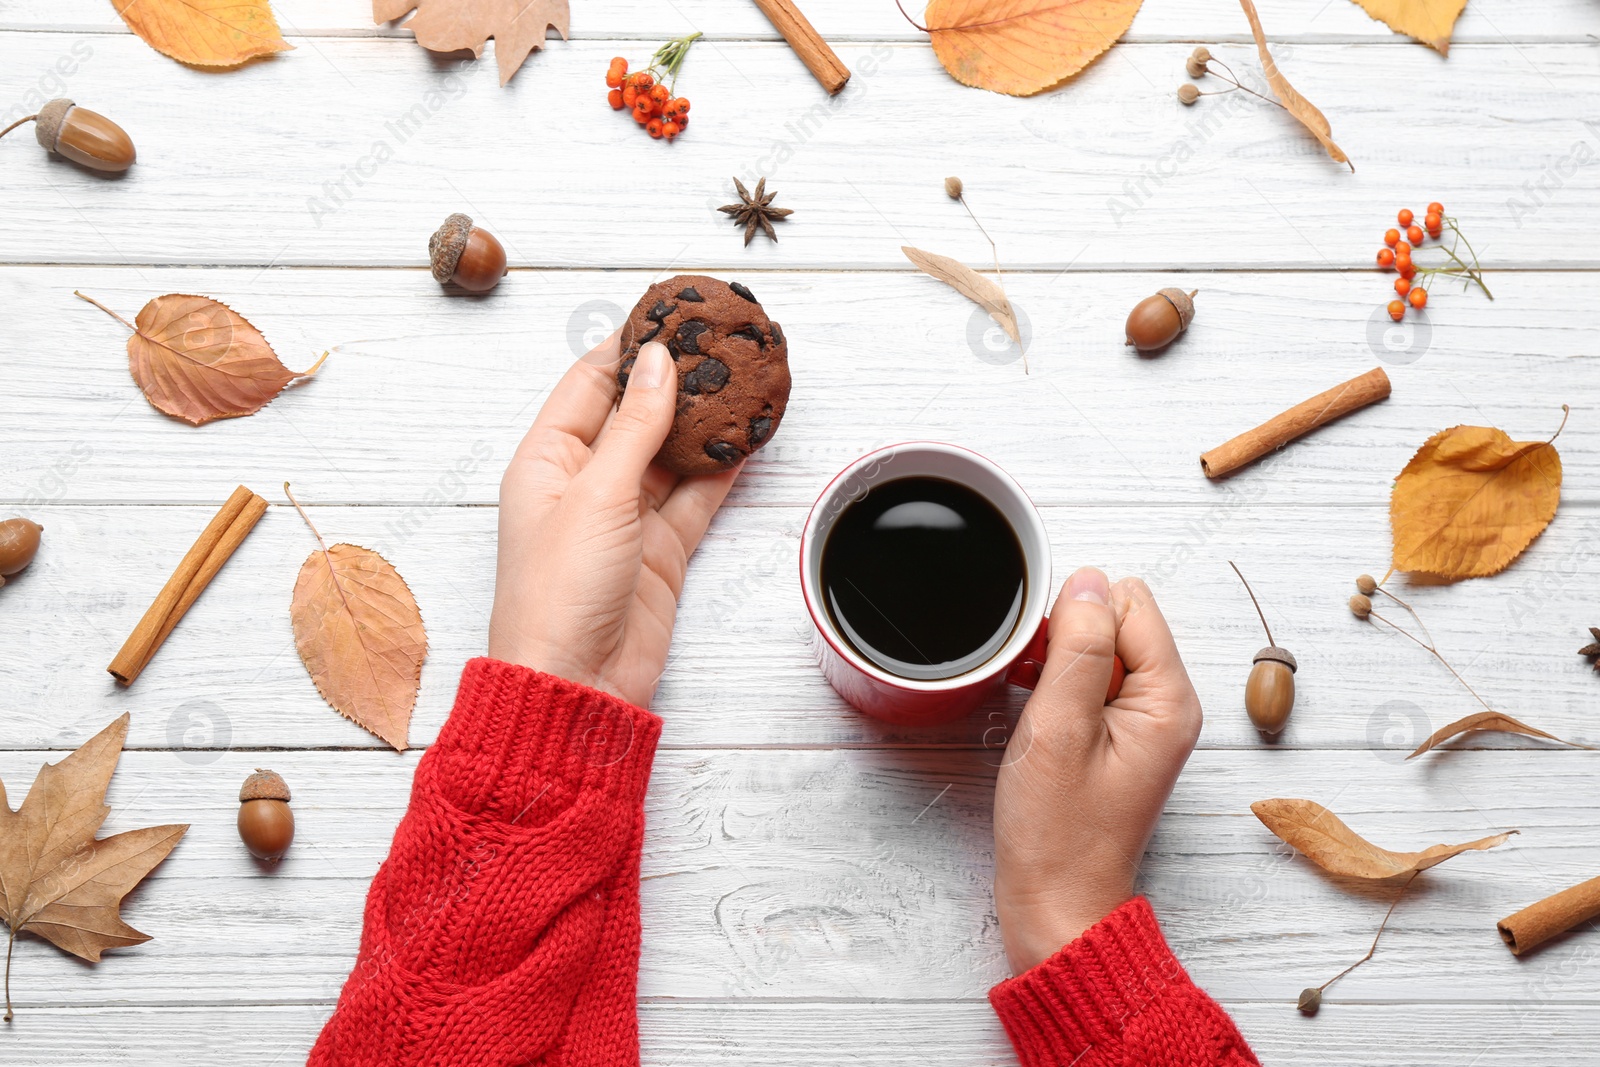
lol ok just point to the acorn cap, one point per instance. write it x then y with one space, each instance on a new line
1183 303
51 117
447 244
264 785
1277 655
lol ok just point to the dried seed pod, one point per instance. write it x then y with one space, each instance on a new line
1202 53
19 543
1360 605
1156 321
1188 94
1366 584
952 187
1195 67
1310 1001
471 257
266 825
83 136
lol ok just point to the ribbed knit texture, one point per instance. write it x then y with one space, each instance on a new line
1116 997
503 929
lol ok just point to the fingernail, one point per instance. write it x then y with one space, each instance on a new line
651 367
1088 583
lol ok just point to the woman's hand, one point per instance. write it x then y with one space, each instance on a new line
1083 782
594 538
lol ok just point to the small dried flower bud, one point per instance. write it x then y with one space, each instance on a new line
1310 1001
1202 53
952 186
1366 584
1360 606
1188 94
1195 66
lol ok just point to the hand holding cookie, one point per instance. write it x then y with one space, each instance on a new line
595 538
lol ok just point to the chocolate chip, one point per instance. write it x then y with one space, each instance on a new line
760 430
691 294
708 377
655 328
742 291
750 333
661 310
777 334
724 453
625 370
689 335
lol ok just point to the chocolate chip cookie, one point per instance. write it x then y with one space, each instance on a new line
733 369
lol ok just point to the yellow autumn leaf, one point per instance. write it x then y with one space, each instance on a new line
1429 21
1019 47
1471 500
207 33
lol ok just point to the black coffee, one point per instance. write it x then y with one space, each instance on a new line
923 577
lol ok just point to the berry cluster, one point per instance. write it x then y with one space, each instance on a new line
646 94
1401 243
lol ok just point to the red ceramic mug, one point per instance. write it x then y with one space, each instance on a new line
919 702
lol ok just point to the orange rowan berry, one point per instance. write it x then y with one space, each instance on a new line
642 80
1405 216
653 128
1436 208
659 94
1402 249
1391 237
682 120
615 99
1385 257
683 103
1397 309
1402 286
614 78
619 62
1418 297
641 114
630 95
1407 272
1435 225
1414 234
669 130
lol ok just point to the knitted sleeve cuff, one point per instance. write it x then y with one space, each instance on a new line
1089 992
520 743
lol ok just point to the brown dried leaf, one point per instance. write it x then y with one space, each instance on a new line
1293 102
1330 844
56 880
360 635
1485 720
517 26
206 33
981 290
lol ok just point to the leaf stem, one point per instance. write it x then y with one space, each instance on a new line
10 944
1254 601
107 310
911 20
306 517
1398 897
3 132
1425 644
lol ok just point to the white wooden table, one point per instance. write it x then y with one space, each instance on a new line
816 884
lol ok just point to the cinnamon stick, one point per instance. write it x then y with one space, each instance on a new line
1278 431
814 52
216 544
1538 923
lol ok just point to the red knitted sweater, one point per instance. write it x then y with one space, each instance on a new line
503 929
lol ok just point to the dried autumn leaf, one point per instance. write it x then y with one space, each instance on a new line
1288 95
980 289
1485 720
56 880
1471 500
1330 844
207 33
360 636
517 26
1429 21
1020 47
199 360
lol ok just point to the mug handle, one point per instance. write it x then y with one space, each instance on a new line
1027 671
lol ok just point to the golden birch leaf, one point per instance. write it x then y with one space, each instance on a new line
1330 844
981 290
200 360
517 26
56 879
1471 500
1485 720
360 635
1288 95
1429 21
1020 47
206 33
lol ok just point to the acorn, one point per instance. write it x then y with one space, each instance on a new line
19 543
1156 321
83 136
468 255
1269 692
266 825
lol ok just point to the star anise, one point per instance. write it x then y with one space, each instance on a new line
755 211
1592 650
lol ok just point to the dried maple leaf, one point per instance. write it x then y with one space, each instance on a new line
56 879
1429 21
1020 47
1292 101
1485 720
517 26
360 635
980 289
207 33
199 360
1330 844
1471 500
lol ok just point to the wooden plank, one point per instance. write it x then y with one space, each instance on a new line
1113 175
866 875
425 396
801 1034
